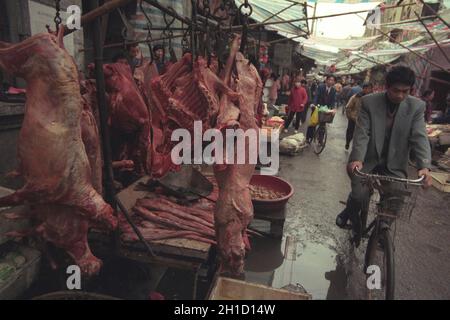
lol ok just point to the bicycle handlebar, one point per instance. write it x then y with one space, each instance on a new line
417 182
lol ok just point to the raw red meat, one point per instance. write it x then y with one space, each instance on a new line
129 116
173 221
144 76
159 204
234 209
52 157
62 184
92 145
187 92
158 234
228 115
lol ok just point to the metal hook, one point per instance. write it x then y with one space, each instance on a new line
149 32
167 31
247 6
124 37
169 24
57 19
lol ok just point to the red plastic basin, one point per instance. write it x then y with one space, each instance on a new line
275 184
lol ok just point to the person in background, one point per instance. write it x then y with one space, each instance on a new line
283 96
356 88
313 90
326 96
267 80
345 94
120 58
338 88
445 118
158 56
285 83
135 58
428 97
296 104
273 90
352 111
304 84
326 93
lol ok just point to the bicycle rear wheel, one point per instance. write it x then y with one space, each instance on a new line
320 139
379 256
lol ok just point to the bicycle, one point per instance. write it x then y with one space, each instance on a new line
387 209
320 135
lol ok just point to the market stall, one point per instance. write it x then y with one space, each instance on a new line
100 189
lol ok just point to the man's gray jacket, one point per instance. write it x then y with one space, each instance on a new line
408 132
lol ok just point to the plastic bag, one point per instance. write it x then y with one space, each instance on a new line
314 119
299 137
289 146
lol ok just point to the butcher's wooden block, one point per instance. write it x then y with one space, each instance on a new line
177 246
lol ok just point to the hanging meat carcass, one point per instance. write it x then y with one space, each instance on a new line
184 95
129 116
234 209
58 176
92 145
187 92
144 75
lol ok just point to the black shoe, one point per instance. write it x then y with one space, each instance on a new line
347 146
341 222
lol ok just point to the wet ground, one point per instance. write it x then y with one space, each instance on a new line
317 255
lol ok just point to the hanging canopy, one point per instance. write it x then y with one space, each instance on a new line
353 54
358 61
326 51
265 9
343 1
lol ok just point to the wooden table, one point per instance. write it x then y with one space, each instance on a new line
178 253
174 247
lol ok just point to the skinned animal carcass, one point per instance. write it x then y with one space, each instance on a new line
129 116
62 184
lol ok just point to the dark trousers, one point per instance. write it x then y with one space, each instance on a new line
350 131
304 113
358 200
298 117
310 133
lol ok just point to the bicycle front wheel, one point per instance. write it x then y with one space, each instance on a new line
320 139
379 266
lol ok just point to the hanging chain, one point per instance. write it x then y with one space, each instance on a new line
170 33
206 8
194 39
184 40
231 13
57 19
245 16
207 13
167 32
149 38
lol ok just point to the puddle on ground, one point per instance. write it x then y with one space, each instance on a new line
290 262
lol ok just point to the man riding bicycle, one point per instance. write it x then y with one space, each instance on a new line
389 125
